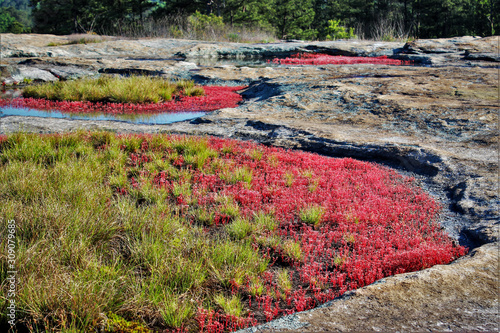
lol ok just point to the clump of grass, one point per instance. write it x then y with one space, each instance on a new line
255 154
292 250
176 311
233 259
194 91
204 216
231 305
265 222
228 207
312 214
272 242
289 178
255 287
239 174
81 39
118 324
239 228
134 89
283 280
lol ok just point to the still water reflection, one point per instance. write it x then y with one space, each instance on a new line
150 119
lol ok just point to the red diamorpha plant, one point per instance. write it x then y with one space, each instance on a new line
325 59
215 98
373 223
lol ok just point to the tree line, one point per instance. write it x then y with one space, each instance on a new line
287 19
15 16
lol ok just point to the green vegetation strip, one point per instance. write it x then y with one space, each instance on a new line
124 233
83 249
134 89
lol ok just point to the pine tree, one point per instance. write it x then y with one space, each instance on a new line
294 18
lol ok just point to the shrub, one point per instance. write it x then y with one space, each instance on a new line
196 26
336 31
203 25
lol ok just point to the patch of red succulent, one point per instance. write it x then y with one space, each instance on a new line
371 222
215 98
325 59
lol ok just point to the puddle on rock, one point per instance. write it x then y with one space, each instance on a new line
148 119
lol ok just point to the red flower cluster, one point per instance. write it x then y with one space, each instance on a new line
215 98
372 222
214 322
325 59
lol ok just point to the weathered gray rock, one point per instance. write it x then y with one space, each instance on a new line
441 51
453 45
6 71
238 51
123 51
70 72
32 73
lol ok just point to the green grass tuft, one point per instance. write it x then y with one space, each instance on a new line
134 89
312 214
231 305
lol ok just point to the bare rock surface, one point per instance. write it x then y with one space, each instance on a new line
446 50
454 45
33 73
438 123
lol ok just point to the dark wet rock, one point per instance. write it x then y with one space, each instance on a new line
131 71
487 56
258 91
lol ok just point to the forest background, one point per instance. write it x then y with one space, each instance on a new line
282 19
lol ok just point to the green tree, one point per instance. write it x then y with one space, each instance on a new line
307 19
294 18
13 20
5 20
337 31
61 16
20 11
178 7
487 13
249 12
77 16
23 5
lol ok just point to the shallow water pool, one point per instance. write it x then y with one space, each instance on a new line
149 119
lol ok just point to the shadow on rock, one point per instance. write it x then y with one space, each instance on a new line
261 90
